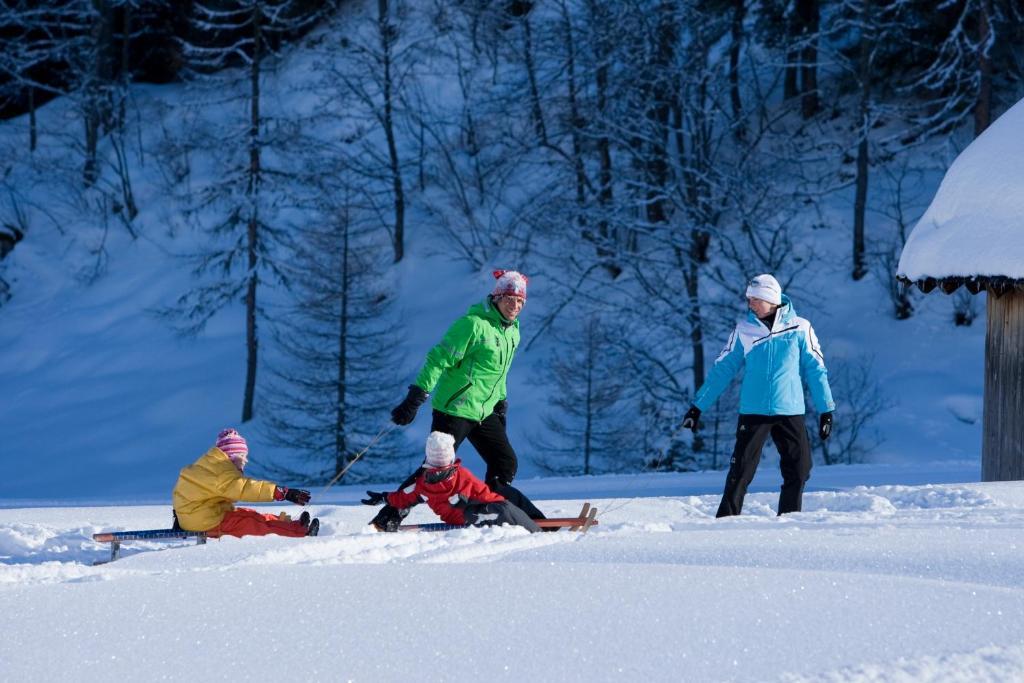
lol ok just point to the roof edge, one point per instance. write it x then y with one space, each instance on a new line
996 285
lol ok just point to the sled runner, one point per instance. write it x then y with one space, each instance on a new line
116 538
586 519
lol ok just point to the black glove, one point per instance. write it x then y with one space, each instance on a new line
501 410
405 412
389 518
825 425
297 496
690 420
375 498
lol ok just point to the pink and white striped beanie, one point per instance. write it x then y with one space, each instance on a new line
234 446
509 283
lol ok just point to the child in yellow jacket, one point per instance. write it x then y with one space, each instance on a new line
207 490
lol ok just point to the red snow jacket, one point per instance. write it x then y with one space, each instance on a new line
442 488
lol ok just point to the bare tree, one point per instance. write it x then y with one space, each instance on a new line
78 34
364 78
860 401
478 141
907 201
956 83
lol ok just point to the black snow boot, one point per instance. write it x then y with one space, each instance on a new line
304 518
314 527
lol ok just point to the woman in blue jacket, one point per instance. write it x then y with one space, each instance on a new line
778 351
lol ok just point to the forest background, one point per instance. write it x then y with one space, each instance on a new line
264 213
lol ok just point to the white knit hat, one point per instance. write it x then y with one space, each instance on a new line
440 449
766 288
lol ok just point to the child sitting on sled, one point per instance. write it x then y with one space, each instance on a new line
452 491
207 490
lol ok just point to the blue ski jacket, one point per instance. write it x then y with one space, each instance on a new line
776 362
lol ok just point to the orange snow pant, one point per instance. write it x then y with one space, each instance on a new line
246 522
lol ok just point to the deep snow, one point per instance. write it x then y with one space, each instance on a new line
880 583
894 571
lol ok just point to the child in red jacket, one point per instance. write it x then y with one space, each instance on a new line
452 491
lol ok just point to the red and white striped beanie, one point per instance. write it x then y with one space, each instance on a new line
234 446
510 283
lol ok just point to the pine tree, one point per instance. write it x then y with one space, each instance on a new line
239 201
586 432
335 380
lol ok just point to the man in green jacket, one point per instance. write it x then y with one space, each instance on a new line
465 377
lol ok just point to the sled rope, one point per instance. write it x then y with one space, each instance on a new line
612 507
339 475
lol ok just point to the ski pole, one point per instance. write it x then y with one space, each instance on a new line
339 475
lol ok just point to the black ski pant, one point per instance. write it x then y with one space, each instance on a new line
496 514
490 440
790 437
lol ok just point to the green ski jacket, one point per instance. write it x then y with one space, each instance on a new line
466 372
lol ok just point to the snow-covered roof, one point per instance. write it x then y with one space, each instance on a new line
973 231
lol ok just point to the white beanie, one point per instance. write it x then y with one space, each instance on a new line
766 288
440 449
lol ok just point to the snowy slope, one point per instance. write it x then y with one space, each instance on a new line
102 402
115 402
888 583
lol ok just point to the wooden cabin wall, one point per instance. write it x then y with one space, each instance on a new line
1003 428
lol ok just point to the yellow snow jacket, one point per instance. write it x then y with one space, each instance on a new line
208 488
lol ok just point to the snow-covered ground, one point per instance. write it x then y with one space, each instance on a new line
890 582
896 570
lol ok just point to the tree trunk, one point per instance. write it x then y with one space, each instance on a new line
791 74
575 128
662 95
810 22
97 104
531 75
1002 445
90 170
126 36
605 195
387 40
696 332
589 420
736 30
983 105
863 163
789 80
599 18
33 134
860 207
252 246
340 440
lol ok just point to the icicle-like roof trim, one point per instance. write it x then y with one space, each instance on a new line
996 285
